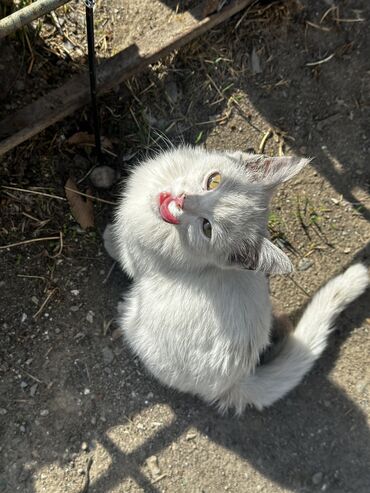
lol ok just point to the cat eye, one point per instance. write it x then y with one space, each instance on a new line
213 181
207 228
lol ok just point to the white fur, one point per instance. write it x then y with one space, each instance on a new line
195 315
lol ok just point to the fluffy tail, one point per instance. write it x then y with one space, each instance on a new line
272 381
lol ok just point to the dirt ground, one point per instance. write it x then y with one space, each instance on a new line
78 413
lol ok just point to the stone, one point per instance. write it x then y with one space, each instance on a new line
317 478
152 463
108 355
304 264
103 177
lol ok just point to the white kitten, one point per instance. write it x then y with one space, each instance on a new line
191 230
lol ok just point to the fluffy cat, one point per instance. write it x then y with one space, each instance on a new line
191 230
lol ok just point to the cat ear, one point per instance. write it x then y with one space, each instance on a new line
264 257
270 171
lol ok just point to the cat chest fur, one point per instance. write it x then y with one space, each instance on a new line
202 331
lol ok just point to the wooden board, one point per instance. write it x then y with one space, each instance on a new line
75 93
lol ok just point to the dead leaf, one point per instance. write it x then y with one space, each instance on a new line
84 138
82 208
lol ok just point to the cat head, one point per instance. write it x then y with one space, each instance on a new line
191 208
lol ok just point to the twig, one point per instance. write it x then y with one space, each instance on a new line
31 52
29 374
60 246
57 196
31 277
106 326
47 238
90 196
319 62
109 272
34 192
33 218
267 135
328 12
322 28
299 286
44 303
281 147
86 485
349 20
159 478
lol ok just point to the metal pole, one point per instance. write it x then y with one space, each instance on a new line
24 16
92 72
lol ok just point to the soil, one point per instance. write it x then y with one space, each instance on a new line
78 412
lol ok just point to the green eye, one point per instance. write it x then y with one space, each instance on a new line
207 228
213 181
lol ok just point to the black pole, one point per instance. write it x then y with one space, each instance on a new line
92 72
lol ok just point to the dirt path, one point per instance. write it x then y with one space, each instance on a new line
71 392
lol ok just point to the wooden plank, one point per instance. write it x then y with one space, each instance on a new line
27 14
63 101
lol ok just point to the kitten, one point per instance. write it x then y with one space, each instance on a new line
191 230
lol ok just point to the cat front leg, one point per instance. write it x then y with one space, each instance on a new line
110 243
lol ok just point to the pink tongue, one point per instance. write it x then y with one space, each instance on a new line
165 213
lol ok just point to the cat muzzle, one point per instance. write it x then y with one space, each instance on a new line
167 201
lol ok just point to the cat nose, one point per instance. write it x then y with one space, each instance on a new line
179 201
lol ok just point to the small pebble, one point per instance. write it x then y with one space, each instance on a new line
190 436
86 391
44 412
103 177
22 429
173 91
84 446
255 62
304 264
24 384
108 355
152 463
317 478
23 318
90 316
117 333
74 308
347 250
75 292
3 411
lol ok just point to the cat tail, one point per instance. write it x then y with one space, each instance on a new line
306 343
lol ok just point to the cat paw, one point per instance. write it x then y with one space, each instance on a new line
109 242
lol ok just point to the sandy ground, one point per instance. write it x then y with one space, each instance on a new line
78 413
